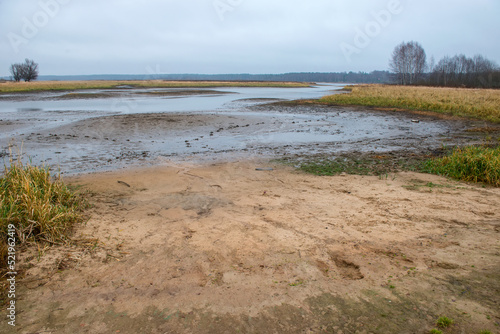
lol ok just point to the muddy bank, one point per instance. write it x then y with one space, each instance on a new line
224 248
111 141
152 92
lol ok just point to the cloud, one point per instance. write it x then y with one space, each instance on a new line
232 36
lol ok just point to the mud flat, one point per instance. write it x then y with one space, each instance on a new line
107 129
225 248
76 142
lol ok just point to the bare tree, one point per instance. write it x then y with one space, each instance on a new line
16 70
461 71
408 62
442 71
26 71
30 70
432 64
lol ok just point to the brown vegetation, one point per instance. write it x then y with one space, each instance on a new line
474 103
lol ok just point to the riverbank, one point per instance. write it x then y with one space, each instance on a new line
11 87
252 246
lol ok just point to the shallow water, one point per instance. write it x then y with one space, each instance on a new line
50 111
83 135
127 101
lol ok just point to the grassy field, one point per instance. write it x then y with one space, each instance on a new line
481 104
10 87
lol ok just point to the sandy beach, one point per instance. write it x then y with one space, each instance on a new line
238 247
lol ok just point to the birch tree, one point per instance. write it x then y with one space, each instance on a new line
408 62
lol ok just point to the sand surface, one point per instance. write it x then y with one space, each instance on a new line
226 248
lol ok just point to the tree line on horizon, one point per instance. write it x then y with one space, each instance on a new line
343 77
340 77
409 66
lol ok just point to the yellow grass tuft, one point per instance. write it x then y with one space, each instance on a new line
38 206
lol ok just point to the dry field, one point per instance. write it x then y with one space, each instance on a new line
475 103
9 87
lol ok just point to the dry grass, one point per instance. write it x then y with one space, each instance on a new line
9 87
482 104
40 207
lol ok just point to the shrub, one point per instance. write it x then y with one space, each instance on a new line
444 322
435 331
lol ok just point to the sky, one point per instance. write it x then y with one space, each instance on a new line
78 37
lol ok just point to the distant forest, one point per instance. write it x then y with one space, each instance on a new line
410 67
341 77
450 72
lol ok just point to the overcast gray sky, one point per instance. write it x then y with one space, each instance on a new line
238 36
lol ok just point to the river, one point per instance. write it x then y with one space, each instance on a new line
94 130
